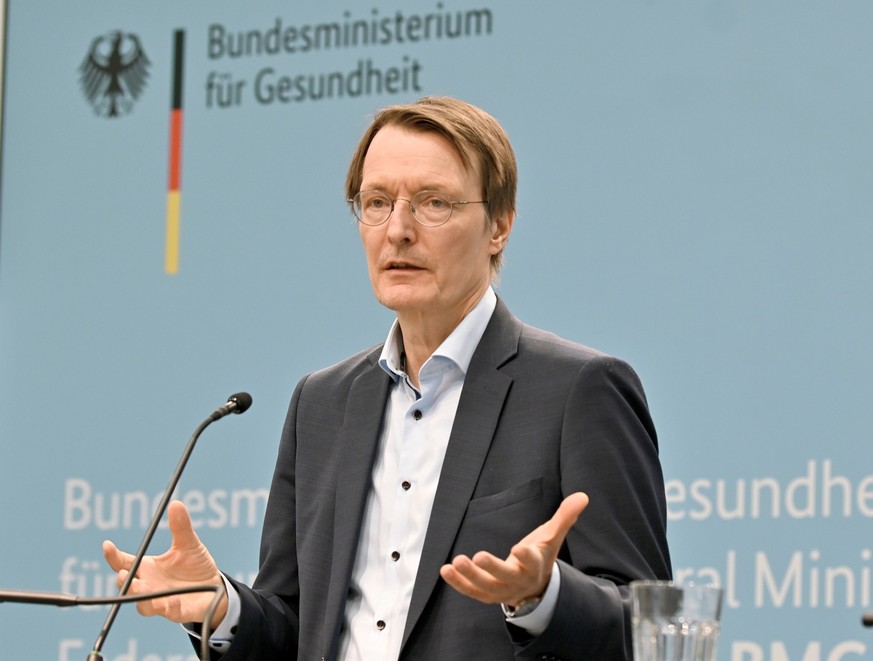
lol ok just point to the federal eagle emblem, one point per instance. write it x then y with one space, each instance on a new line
114 73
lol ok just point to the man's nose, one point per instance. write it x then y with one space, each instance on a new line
401 219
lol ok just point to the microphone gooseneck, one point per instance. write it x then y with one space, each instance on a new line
237 403
63 599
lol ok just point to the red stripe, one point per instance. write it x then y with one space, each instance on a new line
175 150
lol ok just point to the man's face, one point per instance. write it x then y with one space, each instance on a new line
427 272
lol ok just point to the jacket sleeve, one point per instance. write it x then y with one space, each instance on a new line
269 622
609 450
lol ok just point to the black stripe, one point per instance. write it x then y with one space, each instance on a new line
178 68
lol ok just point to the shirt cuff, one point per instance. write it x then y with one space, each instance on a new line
222 637
540 617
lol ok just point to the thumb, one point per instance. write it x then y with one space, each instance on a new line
181 527
567 514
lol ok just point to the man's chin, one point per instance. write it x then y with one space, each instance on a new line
401 298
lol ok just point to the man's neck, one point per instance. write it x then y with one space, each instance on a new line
422 333
417 348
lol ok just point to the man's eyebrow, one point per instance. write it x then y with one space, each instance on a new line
443 187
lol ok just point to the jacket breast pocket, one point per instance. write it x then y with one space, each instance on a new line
506 498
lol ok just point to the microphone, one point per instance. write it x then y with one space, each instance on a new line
63 599
238 403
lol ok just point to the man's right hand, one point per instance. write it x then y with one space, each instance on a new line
186 563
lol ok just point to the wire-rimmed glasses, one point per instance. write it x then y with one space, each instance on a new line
428 207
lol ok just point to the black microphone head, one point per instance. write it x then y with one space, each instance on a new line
242 401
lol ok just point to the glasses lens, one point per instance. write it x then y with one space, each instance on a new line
431 208
372 207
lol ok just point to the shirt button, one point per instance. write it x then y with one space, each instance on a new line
406 485
416 414
380 624
395 556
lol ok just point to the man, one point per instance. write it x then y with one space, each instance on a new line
426 493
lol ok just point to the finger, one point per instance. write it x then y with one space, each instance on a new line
503 571
486 571
470 581
529 557
146 607
116 558
170 607
151 607
490 578
454 578
136 585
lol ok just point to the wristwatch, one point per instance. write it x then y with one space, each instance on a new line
523 607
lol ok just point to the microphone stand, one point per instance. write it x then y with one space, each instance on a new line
236 404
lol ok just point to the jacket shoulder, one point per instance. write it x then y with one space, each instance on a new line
555 354
345 371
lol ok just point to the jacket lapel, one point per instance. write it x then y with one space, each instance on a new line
358 442
479 408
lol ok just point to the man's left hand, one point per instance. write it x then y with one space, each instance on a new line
525 573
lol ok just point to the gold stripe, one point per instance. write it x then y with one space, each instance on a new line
171 256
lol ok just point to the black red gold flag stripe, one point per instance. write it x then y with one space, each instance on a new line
174 189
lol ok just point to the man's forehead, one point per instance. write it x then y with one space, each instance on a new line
390 133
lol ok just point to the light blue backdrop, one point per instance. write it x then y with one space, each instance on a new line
695 197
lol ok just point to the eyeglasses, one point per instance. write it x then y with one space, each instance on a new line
429 208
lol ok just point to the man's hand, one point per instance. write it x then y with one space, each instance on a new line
525 573
186 563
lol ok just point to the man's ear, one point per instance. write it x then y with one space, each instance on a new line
501 226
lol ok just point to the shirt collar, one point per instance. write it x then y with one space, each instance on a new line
457 347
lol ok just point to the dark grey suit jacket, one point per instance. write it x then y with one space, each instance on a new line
538 419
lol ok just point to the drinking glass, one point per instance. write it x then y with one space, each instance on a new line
675 622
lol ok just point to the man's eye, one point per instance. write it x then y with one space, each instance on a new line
435 203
